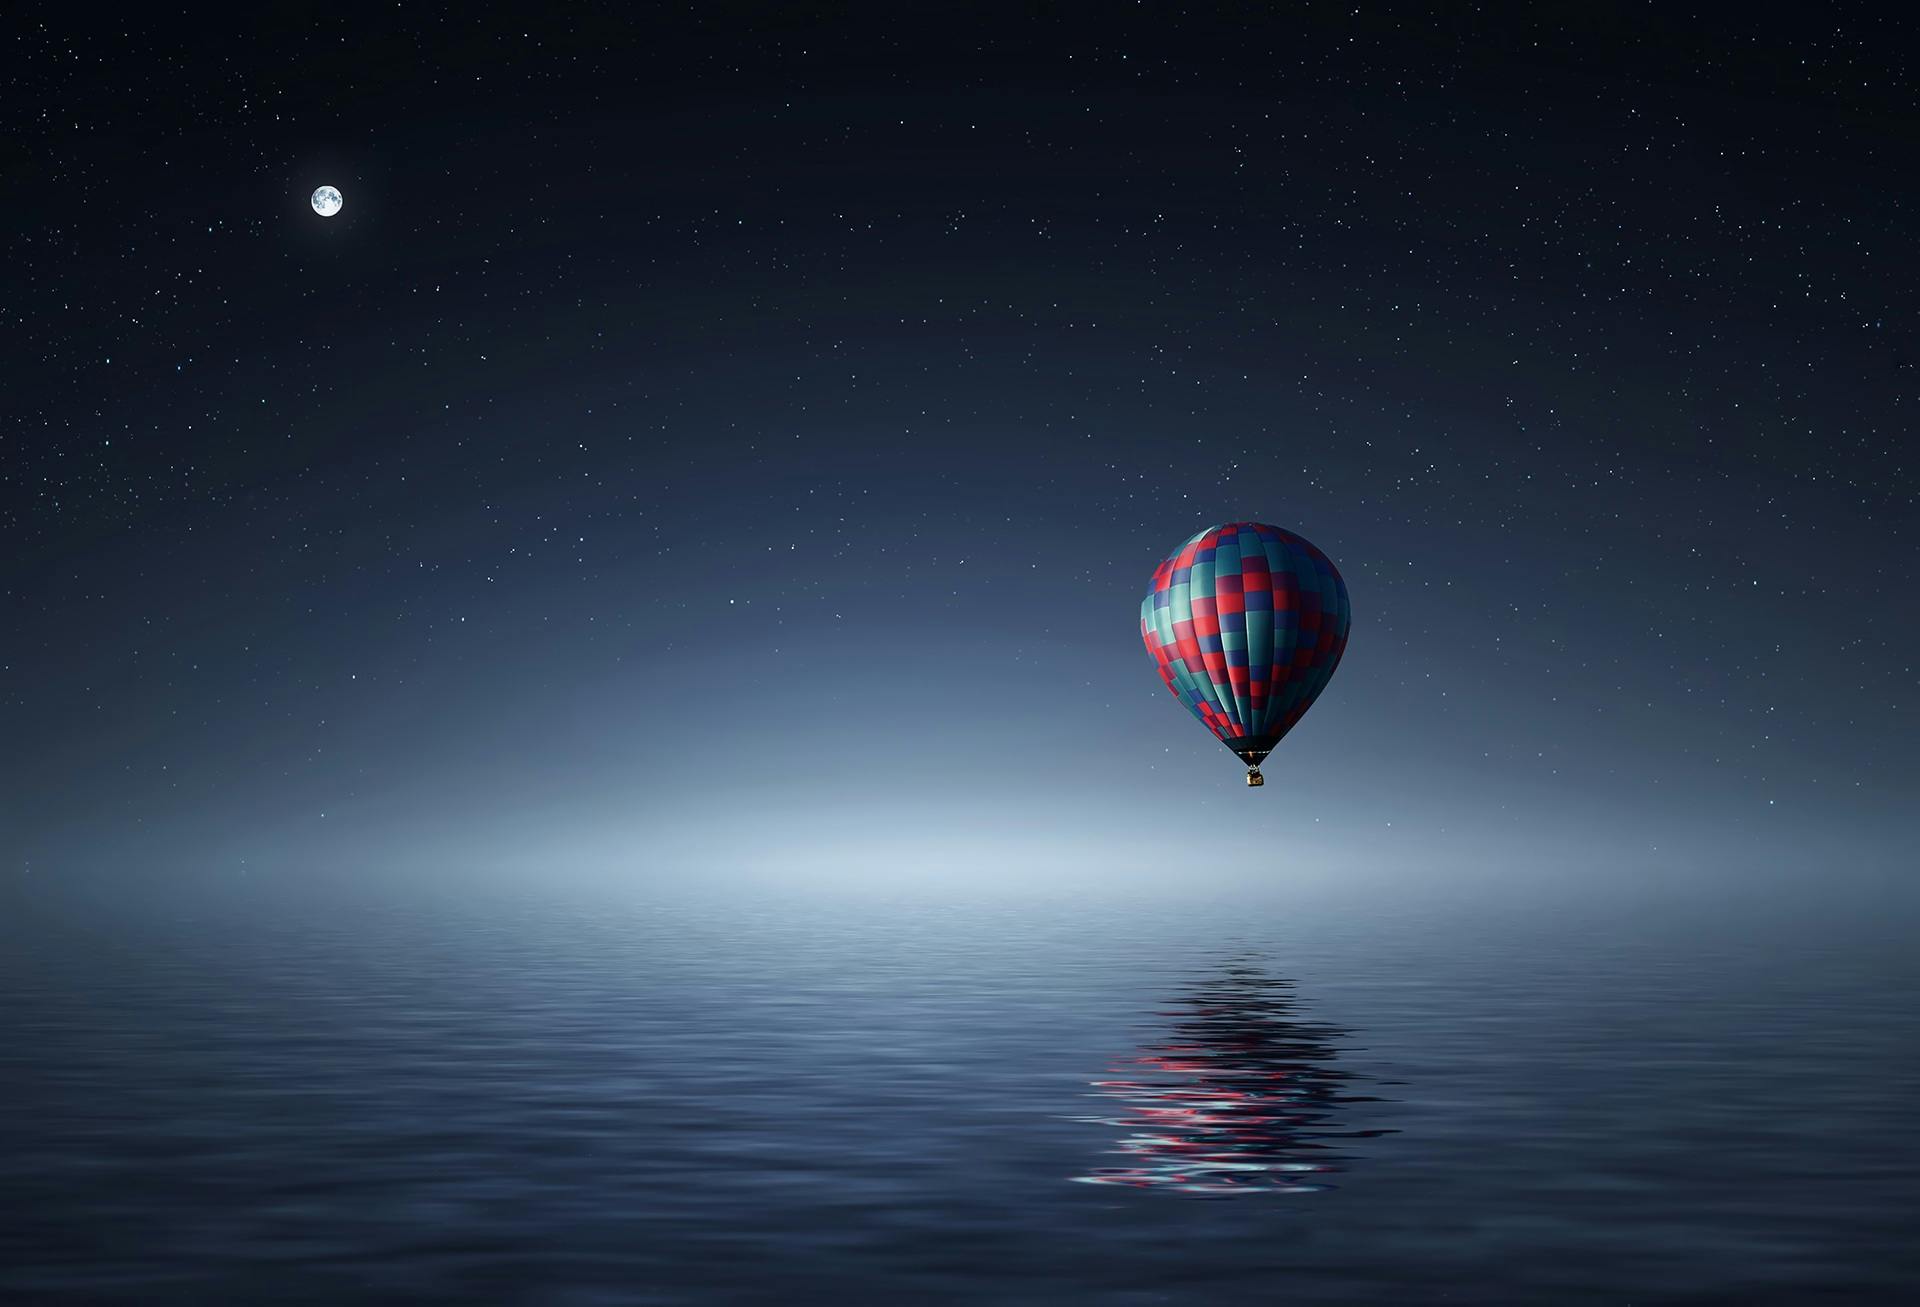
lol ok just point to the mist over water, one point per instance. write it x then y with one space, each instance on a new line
761 1091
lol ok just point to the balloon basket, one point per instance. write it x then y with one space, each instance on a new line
1254 777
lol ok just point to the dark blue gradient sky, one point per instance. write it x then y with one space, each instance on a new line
740 441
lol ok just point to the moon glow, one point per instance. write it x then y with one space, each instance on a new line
326 201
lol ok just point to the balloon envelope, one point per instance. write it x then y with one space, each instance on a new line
1246 623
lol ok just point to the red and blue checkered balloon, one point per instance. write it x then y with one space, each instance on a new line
1246 623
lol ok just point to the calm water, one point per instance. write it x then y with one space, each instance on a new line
579 1099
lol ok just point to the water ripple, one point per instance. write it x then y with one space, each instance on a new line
1240 1099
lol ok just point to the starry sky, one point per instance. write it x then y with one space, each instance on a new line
726 438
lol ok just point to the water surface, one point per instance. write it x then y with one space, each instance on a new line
595 1097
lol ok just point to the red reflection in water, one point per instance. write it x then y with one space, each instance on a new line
1242 1099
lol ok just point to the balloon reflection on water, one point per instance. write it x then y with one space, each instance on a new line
1243 1097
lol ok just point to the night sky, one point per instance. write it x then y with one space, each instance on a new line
723 439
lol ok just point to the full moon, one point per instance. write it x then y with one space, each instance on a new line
326 201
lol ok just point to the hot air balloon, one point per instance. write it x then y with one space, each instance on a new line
1246 623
